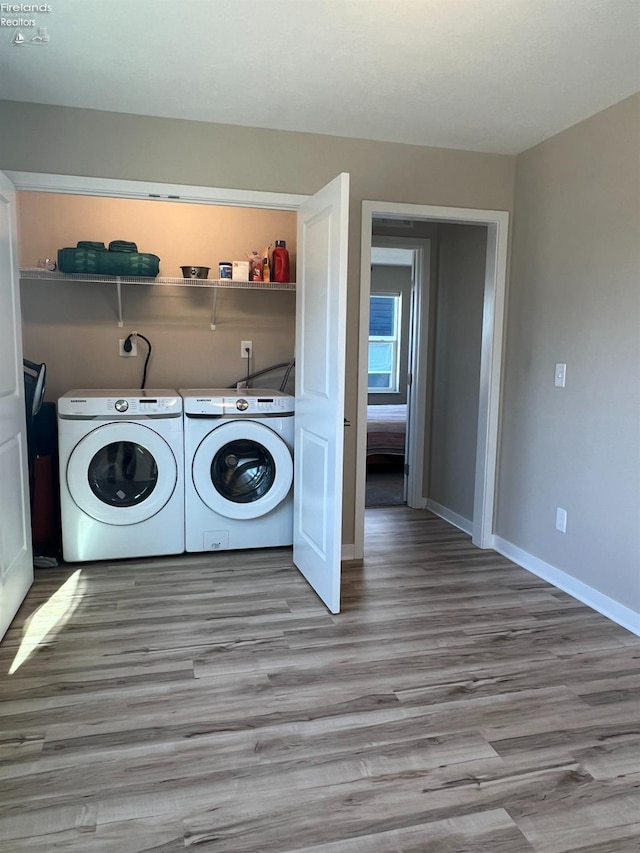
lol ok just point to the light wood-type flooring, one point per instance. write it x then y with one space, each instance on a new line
210 701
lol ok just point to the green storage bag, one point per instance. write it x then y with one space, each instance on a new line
90 244
76 261
129 264
122 246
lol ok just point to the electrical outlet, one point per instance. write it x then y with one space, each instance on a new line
134 348
561 519
244 346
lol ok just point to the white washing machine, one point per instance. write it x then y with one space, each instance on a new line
121 473
238 468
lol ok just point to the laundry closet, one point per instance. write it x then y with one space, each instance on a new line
72 325
201 333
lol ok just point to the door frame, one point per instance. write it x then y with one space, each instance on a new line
117 188
497 223
418 349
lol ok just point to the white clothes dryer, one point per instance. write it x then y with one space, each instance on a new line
121 473
238 468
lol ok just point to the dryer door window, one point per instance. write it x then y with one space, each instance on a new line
122 473
242 470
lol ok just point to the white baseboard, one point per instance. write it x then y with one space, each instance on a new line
452 517
608 607
348 552
418 503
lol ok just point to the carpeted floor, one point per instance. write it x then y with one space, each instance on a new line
385 485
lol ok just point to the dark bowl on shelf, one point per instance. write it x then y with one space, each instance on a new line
195 272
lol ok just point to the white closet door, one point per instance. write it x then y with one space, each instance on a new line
321 310
16 559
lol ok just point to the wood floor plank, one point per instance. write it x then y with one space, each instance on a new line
613 819
458 704
491 830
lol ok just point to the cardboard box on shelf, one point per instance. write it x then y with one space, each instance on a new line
240 271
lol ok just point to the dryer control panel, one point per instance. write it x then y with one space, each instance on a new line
247 403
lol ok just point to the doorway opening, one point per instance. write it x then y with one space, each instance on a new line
419 219
399 282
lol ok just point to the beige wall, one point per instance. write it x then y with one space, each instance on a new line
72 325
179 233
456 379
68 141
575 298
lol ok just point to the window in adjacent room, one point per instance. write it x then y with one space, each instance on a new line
384 342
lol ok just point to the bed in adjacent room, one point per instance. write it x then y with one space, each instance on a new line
386 430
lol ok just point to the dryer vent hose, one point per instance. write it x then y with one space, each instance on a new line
289 367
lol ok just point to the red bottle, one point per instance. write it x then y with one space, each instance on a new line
280 260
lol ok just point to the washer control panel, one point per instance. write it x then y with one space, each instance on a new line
115 404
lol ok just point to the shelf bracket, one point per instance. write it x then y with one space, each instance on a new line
214 298
119 292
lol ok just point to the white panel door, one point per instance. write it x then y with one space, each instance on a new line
321 310
16 559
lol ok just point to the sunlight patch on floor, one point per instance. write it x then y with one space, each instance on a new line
47 619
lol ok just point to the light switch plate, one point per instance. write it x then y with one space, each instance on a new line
560 375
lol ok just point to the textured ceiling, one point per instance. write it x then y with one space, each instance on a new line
484 75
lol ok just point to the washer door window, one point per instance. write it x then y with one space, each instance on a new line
122 473
242 470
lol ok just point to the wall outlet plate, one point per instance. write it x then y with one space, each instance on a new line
134 348
561 519
244 346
